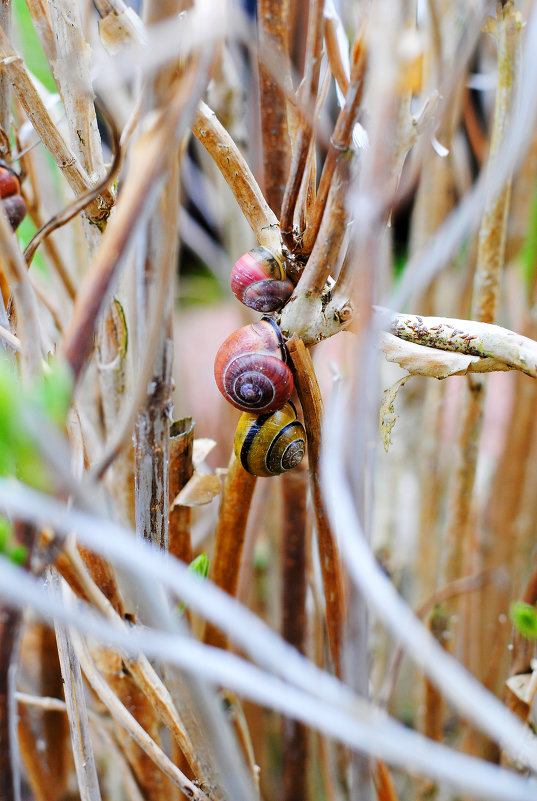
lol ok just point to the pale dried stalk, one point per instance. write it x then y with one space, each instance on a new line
491 252
38 115
146 677
51 704
5 88
77 714
128 722
71 70
229 160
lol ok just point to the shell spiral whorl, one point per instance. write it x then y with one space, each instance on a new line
270 444
250 368
258 280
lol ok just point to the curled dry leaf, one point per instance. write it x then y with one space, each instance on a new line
387 416
203 486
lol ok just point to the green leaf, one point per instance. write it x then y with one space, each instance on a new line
6 532
200 565
524 617
18 554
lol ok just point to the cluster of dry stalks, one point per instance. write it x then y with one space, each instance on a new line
388 150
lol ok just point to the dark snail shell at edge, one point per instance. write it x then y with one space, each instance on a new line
258 280
12 200
250 368
270 444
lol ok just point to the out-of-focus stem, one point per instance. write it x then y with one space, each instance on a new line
5 88
485 295
230 531
273 26
311 402
295 739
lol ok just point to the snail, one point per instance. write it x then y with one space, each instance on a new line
10 194
250 368
258 280
270 444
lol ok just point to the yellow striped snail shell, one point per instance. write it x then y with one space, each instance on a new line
270 444
258 279
250 368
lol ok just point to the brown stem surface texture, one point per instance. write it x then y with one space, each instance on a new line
232 519
311 402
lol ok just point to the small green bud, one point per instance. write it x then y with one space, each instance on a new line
524 617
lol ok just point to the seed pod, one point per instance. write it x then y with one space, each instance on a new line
259 281
250 368
270 444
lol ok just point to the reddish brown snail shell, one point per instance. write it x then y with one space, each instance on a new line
10 194
258 280
250 368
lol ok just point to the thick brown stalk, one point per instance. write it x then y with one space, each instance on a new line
230 531
295 736
311 402
231 163
307 93
339 144
273 27
148 163
181 470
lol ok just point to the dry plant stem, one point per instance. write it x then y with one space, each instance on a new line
54 255
383 782
46 703
294 532
55 730
273 27
78 205
147 679
338 149
127 721
148 163
10 621
36 112
71 70
181 470
25 301
78 718
469 337
231 163
35 763
40 14
5 88
230 532
334 56
311 402
307 93
160 248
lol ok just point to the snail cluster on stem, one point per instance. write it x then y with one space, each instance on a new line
251 371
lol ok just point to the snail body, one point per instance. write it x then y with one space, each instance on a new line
10 195
270 444
258 279
250 368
